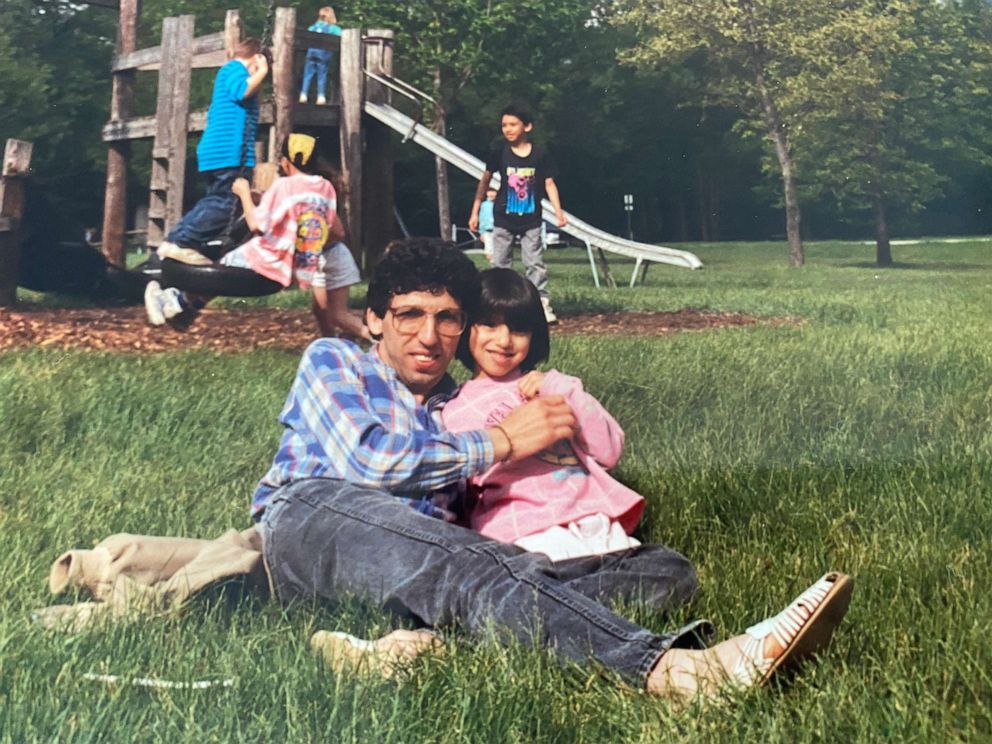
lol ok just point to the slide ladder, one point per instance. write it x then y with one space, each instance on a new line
592 237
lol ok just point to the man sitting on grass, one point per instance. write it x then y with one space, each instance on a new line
361 446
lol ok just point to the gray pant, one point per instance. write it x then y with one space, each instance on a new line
330 539
531 252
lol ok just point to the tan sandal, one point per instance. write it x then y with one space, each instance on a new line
386 656
802 629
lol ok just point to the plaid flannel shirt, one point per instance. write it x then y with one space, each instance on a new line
348 416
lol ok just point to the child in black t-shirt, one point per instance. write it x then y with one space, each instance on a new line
527 174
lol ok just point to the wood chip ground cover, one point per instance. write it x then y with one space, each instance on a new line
125 329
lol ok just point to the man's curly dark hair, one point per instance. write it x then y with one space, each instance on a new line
422 265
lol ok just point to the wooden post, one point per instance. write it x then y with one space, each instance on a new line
350 129
179 115
16 166
159 186
283 88
232 31
121 98
165 207
378 187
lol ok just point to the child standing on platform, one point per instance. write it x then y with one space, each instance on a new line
527 174
319 60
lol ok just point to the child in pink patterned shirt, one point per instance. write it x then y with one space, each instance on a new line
561 502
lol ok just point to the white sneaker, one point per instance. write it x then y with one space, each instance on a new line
169 300
321 101
549 314
182 255
153 303
303 98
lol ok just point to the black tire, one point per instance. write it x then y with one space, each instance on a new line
216 280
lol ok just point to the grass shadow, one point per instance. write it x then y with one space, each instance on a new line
903 266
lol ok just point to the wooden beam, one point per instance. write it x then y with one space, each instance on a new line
16 166
181 77
16 158
209 47
121 101
312 39
233 33
378 222
351 79
284 90
144 127
158 191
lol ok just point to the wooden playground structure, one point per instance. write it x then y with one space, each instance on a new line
365 156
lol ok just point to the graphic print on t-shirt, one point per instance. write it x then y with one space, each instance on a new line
311 234
520 190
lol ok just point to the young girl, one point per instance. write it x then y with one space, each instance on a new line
297 240
561 502
318 60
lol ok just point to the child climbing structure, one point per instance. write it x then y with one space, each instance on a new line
367 171
361 120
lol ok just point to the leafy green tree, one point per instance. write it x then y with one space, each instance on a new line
54 86
749 51
897 94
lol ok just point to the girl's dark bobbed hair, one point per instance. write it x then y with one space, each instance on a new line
507 297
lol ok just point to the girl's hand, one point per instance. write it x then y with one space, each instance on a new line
241 187
530 384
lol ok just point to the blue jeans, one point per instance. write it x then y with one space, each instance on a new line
330 539
317 63
531 253
212 216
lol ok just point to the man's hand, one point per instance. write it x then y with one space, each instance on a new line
562 219
534 426
241 188
473 221
530 384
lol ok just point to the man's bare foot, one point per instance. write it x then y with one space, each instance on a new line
800 631
385 656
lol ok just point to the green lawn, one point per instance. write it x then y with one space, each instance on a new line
857 440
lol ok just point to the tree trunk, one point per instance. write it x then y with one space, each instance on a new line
883 248
778 136
440 125
683 219
704 211
714 202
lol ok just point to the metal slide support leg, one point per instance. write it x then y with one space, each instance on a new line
633 274
592 265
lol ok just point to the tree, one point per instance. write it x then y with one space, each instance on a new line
895 90
54 86
749 49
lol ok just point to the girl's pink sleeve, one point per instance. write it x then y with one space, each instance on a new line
599 434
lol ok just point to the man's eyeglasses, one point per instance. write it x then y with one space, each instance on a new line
409 320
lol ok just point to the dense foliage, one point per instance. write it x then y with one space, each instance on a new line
878 103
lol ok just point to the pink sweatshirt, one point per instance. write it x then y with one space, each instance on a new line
556 486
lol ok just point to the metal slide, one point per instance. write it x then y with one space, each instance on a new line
592 237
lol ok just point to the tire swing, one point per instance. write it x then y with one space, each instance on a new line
216 280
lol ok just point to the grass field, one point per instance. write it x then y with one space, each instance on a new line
857 440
